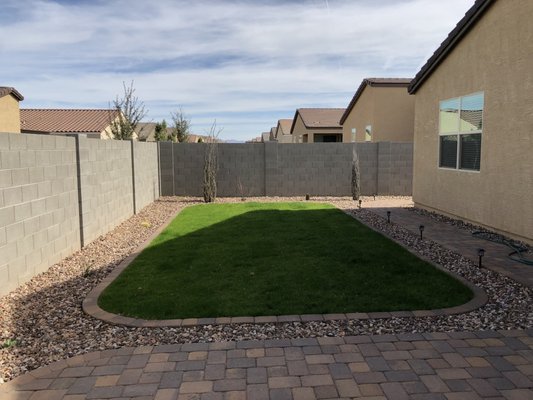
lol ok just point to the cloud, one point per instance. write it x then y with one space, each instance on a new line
218 59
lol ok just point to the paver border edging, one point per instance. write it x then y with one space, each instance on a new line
90 303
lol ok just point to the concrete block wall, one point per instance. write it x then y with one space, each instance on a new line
106 185
241 169
318 169
166 169
39 220
274 169
395 166
51 204
146 173
187 164
401 172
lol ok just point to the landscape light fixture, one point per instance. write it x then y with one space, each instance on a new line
374 197
388 217
480 253
421 228
307 197
360 201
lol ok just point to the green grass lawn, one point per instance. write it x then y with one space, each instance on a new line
252 259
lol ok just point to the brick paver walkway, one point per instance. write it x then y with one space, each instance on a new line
448 366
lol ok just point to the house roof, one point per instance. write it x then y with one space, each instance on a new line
374 82
65 120
319 117
265 136
6 90
285 125
454 37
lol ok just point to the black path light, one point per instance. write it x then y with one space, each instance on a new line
421 228
388 217
360 201
480 253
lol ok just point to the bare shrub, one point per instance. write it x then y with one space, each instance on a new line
356 176
211 164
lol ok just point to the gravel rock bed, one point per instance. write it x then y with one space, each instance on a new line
45 318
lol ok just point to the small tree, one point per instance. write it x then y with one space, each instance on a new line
181 126
356 176
126 114
161 134
211 164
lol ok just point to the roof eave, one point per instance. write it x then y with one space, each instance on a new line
454 37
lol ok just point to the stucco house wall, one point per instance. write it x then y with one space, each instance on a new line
9 114
495 57
299 131
360 116
394 115
388 110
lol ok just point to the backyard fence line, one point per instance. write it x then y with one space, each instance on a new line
58 193
276 169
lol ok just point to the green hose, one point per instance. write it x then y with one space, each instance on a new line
518 249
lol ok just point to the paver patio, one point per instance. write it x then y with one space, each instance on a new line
455 365
460 365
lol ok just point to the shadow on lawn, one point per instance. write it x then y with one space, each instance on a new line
276 262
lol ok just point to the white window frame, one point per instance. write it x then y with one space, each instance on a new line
458 133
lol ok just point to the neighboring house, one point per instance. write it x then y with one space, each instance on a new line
283 131
473 143
273 134
146 131
9 109
90 122
265 137
316 125
380 111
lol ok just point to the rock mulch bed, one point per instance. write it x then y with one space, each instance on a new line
45 319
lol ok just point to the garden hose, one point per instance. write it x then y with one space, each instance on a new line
518 249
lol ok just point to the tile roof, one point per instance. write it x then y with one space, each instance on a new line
285 125
65 120
454 37
319 117
375 82
6 90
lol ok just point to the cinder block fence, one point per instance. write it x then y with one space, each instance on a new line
59 193
276 169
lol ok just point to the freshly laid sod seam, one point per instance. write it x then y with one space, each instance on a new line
253 259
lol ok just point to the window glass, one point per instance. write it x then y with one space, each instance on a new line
470 151
472 113
449 115
448 151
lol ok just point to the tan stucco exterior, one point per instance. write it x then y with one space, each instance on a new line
9 114
495 57
303 134
389 111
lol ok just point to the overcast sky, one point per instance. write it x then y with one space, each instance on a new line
244 63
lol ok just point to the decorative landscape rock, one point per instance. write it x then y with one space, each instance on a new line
45 319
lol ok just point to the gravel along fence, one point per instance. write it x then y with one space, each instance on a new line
42 321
